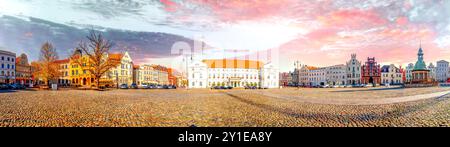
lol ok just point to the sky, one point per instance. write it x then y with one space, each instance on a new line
314 32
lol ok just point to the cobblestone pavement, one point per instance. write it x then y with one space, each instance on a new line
219 108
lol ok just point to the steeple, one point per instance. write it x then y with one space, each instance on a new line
420 64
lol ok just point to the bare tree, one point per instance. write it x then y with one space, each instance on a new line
96 50
46 68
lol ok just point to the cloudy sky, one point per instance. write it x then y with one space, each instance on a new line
315 32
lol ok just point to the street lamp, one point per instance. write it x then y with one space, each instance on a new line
117 79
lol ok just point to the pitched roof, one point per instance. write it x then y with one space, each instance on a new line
233 63
311 67
385 68
159 67
117 56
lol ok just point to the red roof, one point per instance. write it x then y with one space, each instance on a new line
233 63
62 61
117 56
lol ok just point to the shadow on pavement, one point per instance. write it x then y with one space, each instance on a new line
7 91
346 118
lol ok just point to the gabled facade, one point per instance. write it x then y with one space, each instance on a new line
392 75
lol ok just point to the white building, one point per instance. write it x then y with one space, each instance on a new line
123 73
353 71
235 73
391 75
442 69
269 76
317 76
336 75
7 67
408 74
304 75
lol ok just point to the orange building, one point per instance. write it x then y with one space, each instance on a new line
172 78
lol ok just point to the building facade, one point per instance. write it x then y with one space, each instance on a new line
234 73
79 67
7 67
304 75
353 71
441 71
172 73
336 75
284 79
317 76
23 70
123 72
432 69
151 74
370 73
162 74
64 72
392 75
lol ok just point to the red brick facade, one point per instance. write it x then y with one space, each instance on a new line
371 72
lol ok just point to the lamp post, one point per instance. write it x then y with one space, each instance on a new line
117 80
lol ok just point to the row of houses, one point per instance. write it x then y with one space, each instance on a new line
15 69
18 70
370 72
351 73
124 73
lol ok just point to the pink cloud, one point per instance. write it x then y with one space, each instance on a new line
353 19
170 6
402 21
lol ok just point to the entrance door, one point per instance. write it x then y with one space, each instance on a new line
84 81
371 80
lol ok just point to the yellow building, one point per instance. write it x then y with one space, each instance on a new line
79 74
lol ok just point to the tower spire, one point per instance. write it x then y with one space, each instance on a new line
420 43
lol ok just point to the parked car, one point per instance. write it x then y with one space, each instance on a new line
134 86
4 87
151 86
21 86
324 86
144 86
250 87
172 87
123 86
